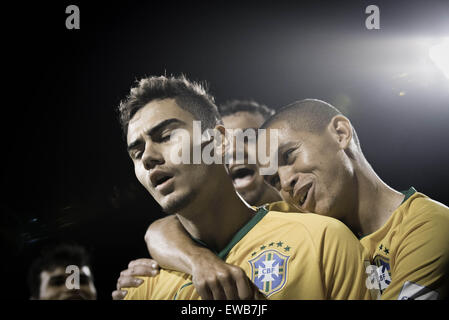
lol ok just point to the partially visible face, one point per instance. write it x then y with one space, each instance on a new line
245 177
315 174
150 146
53 285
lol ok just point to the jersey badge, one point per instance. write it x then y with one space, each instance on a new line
269 271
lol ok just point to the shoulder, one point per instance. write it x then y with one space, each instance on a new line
421 210
423 204
315 226
311 221
424 225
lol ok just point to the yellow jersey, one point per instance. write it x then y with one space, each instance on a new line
411 250
287 256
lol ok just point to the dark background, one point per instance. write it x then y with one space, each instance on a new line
65 173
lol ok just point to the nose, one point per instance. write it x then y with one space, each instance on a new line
288 180
151 157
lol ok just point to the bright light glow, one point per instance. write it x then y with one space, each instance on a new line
439 54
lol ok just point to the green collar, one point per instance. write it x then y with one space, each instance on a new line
408 193
261 212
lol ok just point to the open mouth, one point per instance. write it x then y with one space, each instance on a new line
160 179
242 176
303 195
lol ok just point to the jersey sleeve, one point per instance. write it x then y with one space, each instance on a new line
421 263
343 262
142 292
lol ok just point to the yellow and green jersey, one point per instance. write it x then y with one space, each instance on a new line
411 250
287 255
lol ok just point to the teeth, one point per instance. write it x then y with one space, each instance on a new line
303 198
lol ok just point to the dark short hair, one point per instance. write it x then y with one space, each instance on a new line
61 255
234 106
189 95
309 115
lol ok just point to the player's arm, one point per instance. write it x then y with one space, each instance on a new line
421 261
171 246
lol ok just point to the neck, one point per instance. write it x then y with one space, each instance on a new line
270 195
217 216
376 201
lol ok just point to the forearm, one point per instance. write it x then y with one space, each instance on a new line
170 245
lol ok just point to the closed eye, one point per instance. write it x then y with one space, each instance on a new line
163 136
287 156
136 154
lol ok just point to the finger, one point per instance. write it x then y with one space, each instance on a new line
203 290
258 295
119 294
129 282
146 262
140 270
217 290
244 288
230 288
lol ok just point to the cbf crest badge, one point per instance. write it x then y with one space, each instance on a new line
383 272
269 271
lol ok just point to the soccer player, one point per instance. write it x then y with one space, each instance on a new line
48 275
247 114
235 114
286 255
322 169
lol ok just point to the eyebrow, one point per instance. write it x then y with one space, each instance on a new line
158 127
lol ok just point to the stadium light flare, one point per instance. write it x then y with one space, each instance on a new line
439 54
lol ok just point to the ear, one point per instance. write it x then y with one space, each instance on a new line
341 129
222 139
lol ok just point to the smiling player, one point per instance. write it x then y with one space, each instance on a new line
322 169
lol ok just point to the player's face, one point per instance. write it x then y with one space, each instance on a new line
172 185
54 287
245 177
315 174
